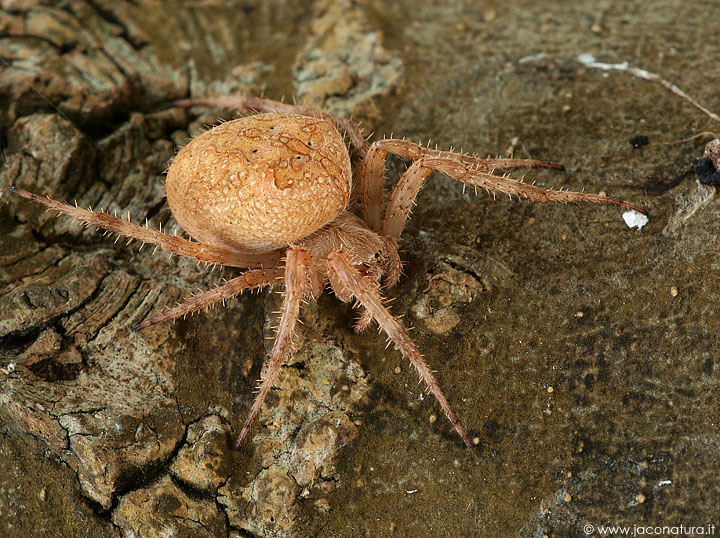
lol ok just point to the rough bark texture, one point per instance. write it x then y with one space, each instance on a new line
582 354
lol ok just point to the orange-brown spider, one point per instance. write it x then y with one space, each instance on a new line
270 192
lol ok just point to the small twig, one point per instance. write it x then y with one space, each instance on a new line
693 137
589 61
697 199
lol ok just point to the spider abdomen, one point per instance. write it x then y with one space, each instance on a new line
261 182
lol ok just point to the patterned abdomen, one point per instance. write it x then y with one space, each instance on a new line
260 182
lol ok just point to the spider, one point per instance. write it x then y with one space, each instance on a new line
271 193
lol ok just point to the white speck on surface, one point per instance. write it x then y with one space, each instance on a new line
635 219
664 483
588 60
410 491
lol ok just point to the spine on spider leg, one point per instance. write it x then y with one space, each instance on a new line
355 134
478 172
403 198
363 322
100 219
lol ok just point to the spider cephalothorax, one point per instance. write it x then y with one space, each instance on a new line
270 193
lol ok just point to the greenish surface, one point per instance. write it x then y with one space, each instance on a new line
592 387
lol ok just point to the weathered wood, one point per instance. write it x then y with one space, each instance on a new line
85 89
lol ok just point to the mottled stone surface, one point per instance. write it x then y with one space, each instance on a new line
454 280
163 509
204 462
344 67
305 424
581 354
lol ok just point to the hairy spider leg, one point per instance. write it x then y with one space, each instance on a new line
176 245
413 151
403 198
468 169
253 279
299 282
258 104
347 282
370 174
369 179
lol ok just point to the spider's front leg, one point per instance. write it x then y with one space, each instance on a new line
468 169
173 244
370 173
300 280
347 282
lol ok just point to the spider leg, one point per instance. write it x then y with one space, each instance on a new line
363 322
408 150
256 278
369 179
173 244
347 281
370 173
299 270
258 104
402 198
465 168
